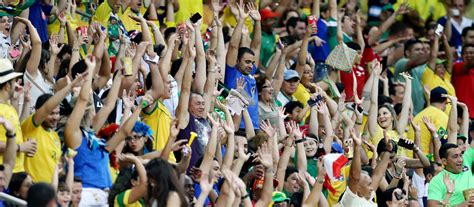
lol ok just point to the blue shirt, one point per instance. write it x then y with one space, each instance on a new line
232 74
320 54
92 164
38 17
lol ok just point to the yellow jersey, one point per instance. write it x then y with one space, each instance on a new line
7 111
41 166
121 200
440 121
159 120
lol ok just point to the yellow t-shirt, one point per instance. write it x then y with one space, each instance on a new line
302 95
425 8
121 200
159 120
11 115
393 134
102 13
41 165
188 8
432 80
439 119
128 22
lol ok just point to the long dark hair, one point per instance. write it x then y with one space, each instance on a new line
165 180
122 183
15 183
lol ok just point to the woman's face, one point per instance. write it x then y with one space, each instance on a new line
308 74
267 91
385 118
215 171
310 147
5 26
64 198
25 186
136 142
440 70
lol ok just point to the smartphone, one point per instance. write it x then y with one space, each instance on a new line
312 102
405 144
196 17
313 23
439 30
127 64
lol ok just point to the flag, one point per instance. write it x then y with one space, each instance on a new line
333 164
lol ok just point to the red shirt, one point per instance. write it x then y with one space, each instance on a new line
347 79
463 82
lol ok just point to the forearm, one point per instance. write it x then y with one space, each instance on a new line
257 41
249 130
403 121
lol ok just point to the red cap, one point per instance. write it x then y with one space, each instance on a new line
268 13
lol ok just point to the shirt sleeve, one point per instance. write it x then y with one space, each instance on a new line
231 75
28 125
468 157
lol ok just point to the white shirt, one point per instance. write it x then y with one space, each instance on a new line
349 199
39 85
419 183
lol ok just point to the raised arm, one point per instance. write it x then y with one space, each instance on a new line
200 75
232 50
139 191
283 162
210 150
404 114
52 103
355 171
228 126
9 154
302 56
464 127
449 54
182 110
453 120
265 158
434 53
109 106
373 112
72 131
257 31
33 62
316 11
333 9
315 194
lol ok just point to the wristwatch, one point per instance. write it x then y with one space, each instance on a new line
450 191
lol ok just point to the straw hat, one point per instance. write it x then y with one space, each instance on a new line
6 71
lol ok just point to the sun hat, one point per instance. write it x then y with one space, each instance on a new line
6 71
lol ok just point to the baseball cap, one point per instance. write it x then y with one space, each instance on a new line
436 95
290 74
268 13
278 196
440 61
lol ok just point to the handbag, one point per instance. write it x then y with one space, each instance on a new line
341 57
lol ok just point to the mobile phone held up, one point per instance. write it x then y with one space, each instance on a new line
195 18
312 102
406 144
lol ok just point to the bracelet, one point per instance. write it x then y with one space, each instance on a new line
9 136
300 141
244 197
320 181
358 123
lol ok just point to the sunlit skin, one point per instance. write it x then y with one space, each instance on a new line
196 106
136 142
454 161
288 87
310 147
245 63
385 118
76 193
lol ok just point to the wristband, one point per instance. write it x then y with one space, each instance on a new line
358 123
300 141
244 197
9 136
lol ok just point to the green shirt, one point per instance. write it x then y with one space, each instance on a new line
332 30
464 180
267 48
417 90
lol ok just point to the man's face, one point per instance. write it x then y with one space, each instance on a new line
458 4
426 48
469 38
454 162
399 91
76 192
348 25
416 51
196 106
245 64
189 188
299 30
52 119
135 5
365 183
281 204
289 86
2 181
468 54
291 184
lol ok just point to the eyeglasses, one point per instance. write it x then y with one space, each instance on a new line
133 138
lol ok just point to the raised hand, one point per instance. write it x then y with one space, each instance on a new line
429 125
178 145
296 130
253 11
128 157
356 138
281 112
214 122
321 168
129 99
147 100
264 155
23 20
450 185
53 43
241 150
267 127
27 92
242 13
90 61
415 126
216 5
403 9
241 84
